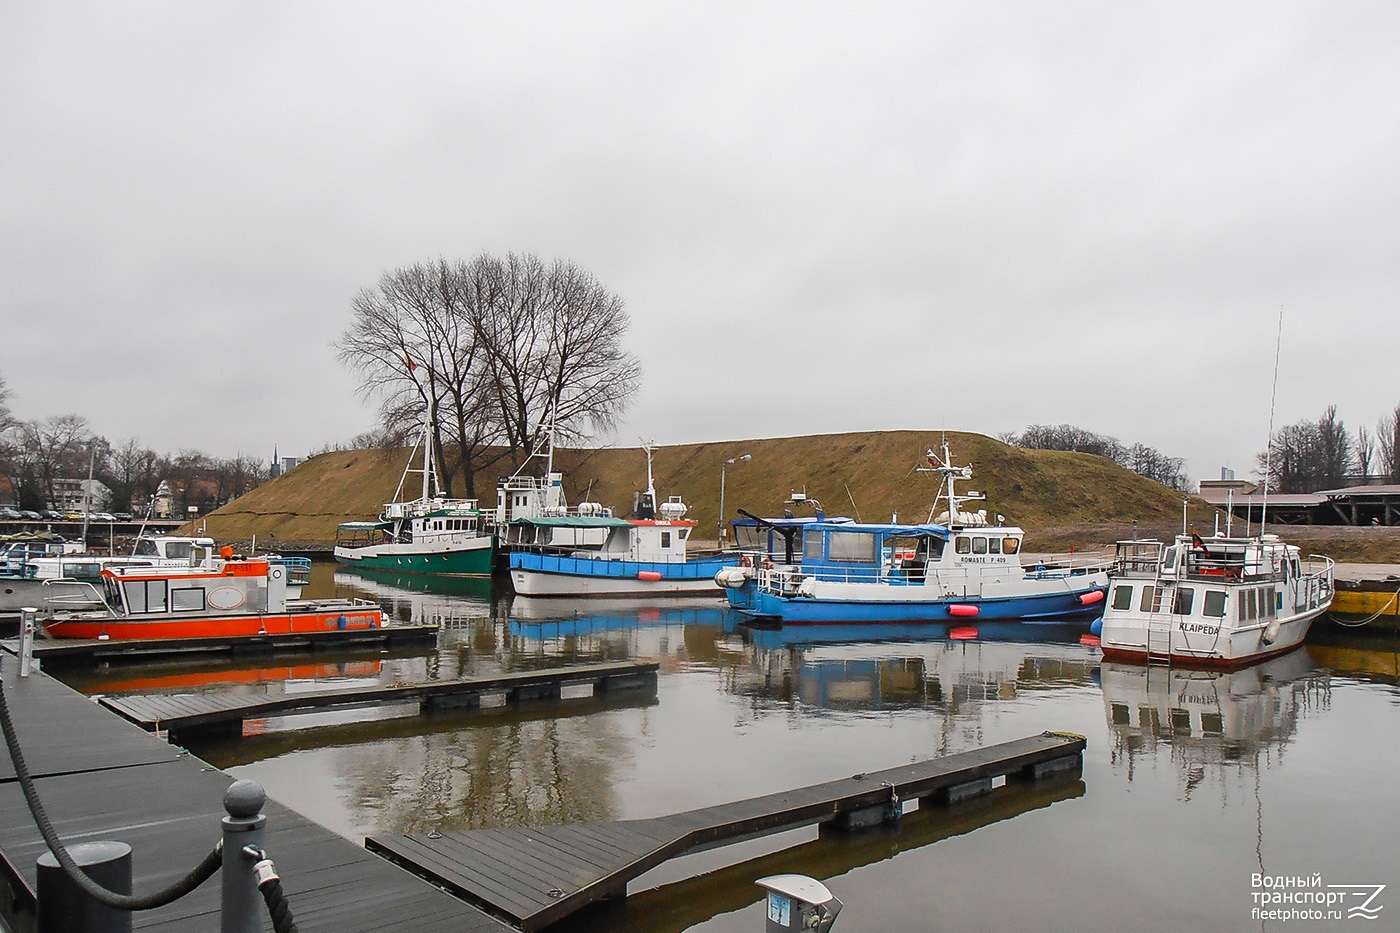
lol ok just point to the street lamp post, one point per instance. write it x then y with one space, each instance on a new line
723 537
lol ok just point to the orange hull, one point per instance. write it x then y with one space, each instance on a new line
217 626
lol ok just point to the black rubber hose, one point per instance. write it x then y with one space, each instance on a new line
130 902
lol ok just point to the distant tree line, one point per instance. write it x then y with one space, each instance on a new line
495 348
1141 459
36 453
1323 454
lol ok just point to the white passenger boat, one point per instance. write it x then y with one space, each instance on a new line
1217 602
641 555
959 567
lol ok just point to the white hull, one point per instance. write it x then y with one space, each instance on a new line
1189 642
1224 602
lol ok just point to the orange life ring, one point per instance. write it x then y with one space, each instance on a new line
767 564
746 561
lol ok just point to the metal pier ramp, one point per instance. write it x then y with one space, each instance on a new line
533 877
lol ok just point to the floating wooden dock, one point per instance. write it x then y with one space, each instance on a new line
533 877
62 652
167 806
185 715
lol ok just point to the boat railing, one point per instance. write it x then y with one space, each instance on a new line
1140 558
298 568
1074 563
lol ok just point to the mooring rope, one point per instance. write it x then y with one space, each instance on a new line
129 902
1372 617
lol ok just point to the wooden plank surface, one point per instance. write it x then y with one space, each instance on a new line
534 876
185 711
100 778
62 732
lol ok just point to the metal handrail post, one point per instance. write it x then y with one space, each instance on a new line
242 906
26 640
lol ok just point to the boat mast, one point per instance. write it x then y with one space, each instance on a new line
428 450
1269 447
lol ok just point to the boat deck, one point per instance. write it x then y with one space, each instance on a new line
533 877
185 715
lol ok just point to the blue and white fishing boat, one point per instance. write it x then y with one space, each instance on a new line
644 554
958 567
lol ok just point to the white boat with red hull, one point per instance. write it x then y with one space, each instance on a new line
1216 602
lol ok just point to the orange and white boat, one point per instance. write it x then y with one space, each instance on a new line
221 597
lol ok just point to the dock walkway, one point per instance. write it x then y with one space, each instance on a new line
533 877
185 715
167 804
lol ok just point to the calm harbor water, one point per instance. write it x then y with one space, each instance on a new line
1193 782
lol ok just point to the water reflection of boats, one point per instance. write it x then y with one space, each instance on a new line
163 679
532 608
957 676
595 622
420 599
787 636
1209 717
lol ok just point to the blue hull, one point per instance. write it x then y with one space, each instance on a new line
699 568
804 610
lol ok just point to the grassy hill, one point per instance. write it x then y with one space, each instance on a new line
1059 497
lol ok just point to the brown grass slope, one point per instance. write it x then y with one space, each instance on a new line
870 475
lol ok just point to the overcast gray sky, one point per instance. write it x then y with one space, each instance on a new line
822 216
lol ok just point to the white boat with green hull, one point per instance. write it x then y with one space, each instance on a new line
431 534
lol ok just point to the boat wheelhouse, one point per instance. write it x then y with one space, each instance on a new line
1216 602
432 534
226 596
960 567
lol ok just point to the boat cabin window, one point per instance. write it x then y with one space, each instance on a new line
964 545
144 595
1169 559
979 545
1010 545
1184 597
1123 597
993 545
1148 592
1214 605
812 546
190 599
856 547
665 539
682 534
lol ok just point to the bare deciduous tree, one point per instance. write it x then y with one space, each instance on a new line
1388 445
494 346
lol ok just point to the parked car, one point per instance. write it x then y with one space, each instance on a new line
104 517
53 515
30 515
9 514
72 515
122 516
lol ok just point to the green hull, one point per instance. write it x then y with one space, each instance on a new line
474 562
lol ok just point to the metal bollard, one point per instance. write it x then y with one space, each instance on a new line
63 907
26 640
242 907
